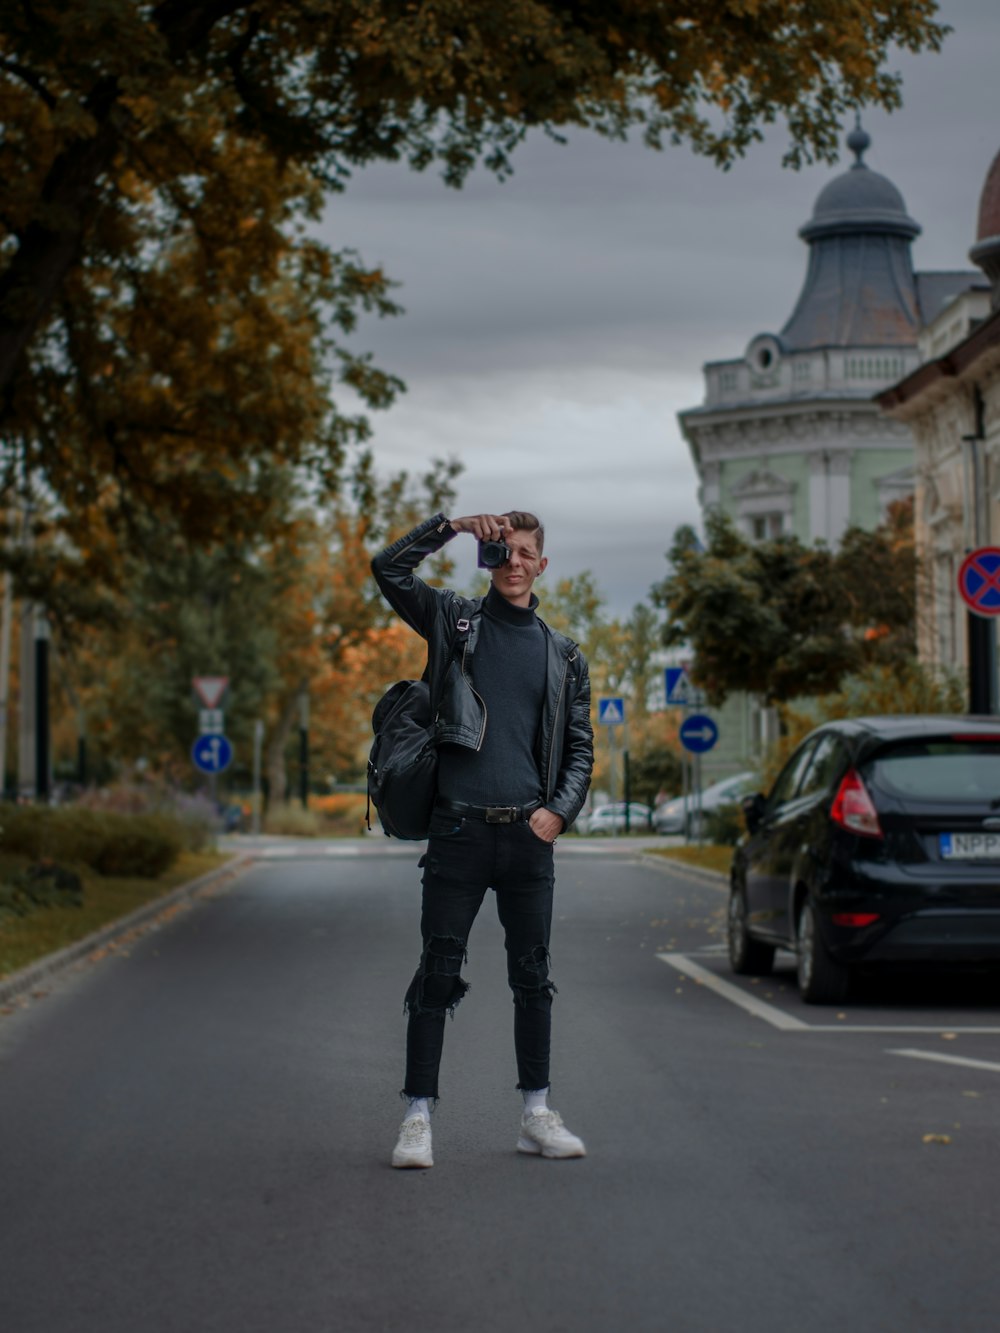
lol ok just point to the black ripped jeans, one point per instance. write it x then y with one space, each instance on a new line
464 859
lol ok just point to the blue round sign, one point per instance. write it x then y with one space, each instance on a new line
698 733
212 753
979 581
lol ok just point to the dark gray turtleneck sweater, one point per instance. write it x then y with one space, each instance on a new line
508 673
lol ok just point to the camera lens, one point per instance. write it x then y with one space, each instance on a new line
493 554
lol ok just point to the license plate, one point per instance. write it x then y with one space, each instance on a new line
970 846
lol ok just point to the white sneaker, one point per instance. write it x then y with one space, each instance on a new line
543 1132
413 1148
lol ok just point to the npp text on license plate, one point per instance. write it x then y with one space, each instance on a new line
970 846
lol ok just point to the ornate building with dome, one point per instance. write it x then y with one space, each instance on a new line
789 437
951 404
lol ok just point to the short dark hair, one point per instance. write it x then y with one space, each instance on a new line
521 521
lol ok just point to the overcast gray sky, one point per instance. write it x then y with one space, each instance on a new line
557 322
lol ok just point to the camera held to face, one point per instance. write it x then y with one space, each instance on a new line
493 554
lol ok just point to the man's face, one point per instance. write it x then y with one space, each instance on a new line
514 579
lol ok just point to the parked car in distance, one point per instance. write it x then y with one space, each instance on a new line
611 818
879 844
681 816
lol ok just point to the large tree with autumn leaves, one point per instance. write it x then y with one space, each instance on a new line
171 333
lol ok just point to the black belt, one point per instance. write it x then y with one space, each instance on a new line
490 814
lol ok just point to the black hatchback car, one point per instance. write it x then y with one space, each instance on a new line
879 843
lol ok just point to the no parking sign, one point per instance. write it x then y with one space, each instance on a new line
979 581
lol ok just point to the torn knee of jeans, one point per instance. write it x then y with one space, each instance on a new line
528 995
434 994
443 954
536 963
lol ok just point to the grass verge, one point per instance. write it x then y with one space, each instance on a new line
24 940
708 857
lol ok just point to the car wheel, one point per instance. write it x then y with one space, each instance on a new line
747 956
822 980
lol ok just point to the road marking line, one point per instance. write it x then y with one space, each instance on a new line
786 1022
759 1008
950 1059
885 1029
273 853
342 851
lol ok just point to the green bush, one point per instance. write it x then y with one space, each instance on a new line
726 825
143 845
41 885
111 844
291 821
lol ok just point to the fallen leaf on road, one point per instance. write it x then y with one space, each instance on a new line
937 1138
949 1036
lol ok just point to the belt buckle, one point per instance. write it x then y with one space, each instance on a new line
502 814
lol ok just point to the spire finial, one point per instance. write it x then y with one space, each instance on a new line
858 141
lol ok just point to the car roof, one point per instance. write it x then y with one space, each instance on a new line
897 726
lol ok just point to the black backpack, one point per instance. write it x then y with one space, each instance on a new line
403 760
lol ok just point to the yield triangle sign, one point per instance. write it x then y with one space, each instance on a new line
210 689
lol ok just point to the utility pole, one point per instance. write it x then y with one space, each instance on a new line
304 749
43 772
981 630
258 796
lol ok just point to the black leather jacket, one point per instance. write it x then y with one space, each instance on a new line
565 746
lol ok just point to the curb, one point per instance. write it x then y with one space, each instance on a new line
16 983
716 877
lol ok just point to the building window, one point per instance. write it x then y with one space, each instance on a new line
765 527
873 367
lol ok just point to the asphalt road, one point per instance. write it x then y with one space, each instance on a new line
195 1131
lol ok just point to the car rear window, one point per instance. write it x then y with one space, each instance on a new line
942 770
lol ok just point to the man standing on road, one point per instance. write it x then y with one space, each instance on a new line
516 751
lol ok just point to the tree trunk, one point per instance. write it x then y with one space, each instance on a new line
277 775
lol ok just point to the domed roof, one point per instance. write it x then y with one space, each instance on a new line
989 203
986 251
860 200
860 290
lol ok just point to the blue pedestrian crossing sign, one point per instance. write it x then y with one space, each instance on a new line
212 753
698 733
611 712
678 685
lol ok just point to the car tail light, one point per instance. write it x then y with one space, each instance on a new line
855 919
853 809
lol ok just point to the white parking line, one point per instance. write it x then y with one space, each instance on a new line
950 1059
770 1013
759 1008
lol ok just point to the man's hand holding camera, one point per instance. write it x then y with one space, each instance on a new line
489 530
485 527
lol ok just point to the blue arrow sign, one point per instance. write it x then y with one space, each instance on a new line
611 712
677 684
212 753
698 733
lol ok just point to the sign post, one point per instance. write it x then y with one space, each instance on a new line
979 589
698 733
611 714
212 753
